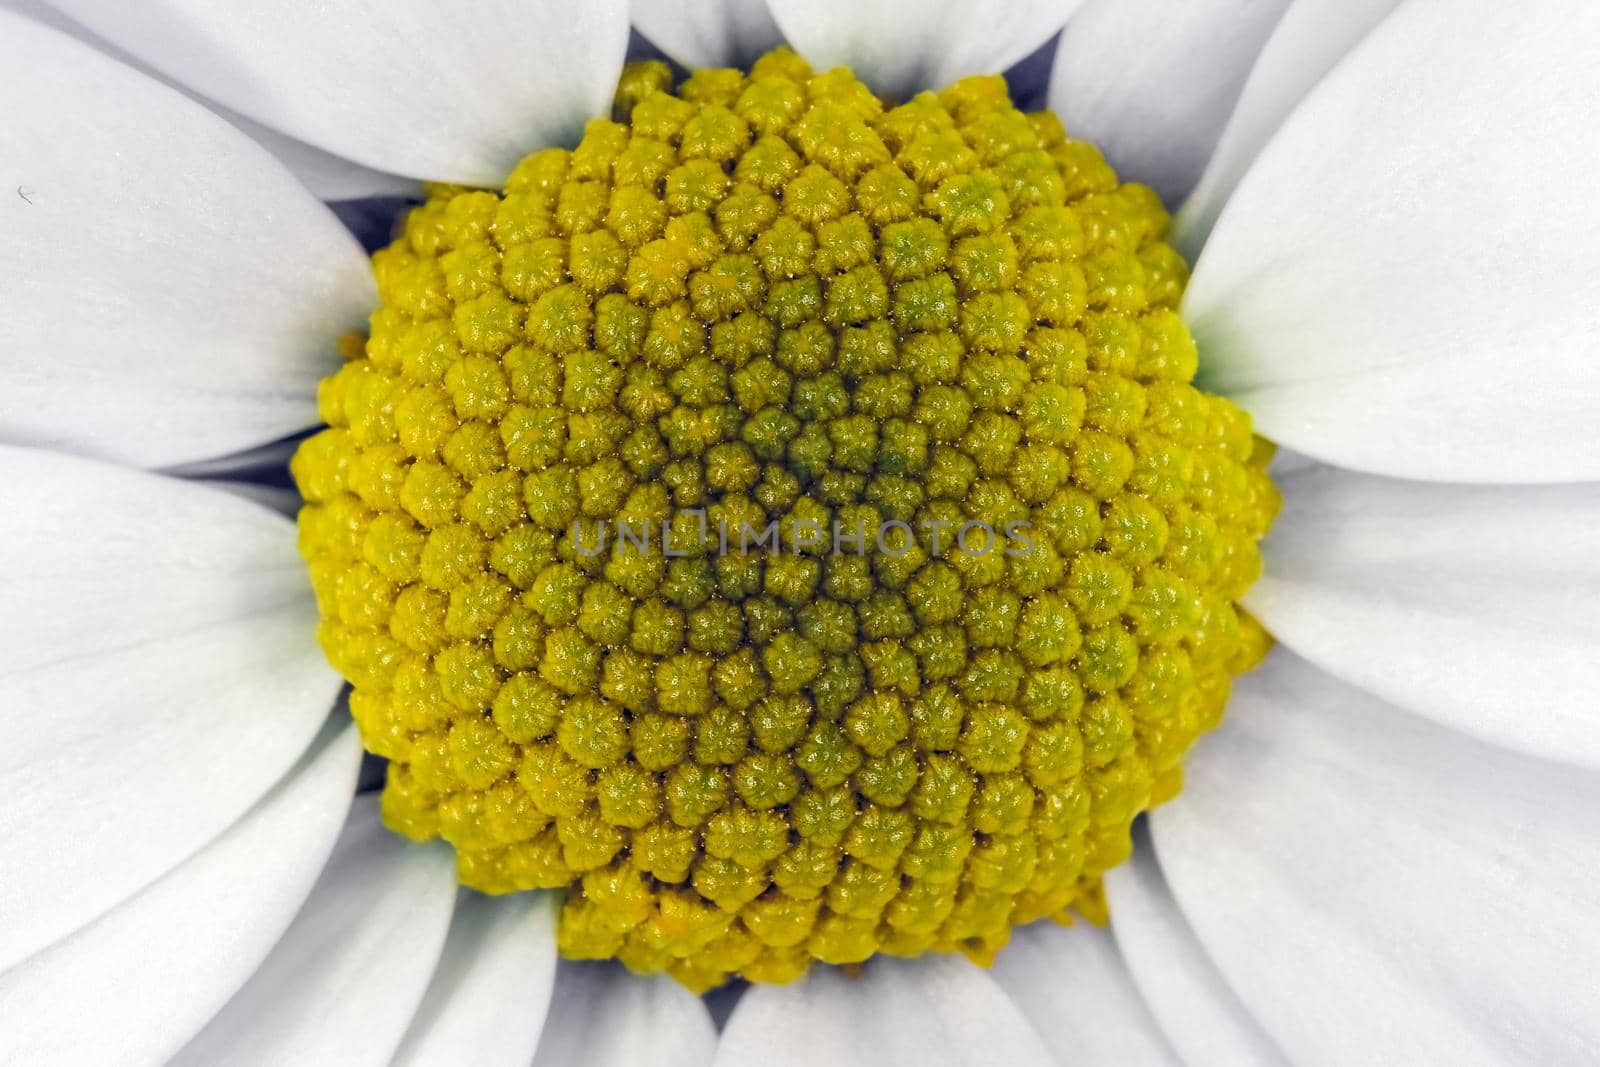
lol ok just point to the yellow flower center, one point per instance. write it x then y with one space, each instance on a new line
785 524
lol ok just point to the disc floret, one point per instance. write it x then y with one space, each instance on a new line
771 302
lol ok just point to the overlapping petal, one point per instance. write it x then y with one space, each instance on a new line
899 1013
604 1016
158 673
900 47
491 991
1152 82
1379 888
708 33
344 982
140 981
1199 1013
1477 606
1073 987
172 292
326 175
426 90
1306 42
1403 283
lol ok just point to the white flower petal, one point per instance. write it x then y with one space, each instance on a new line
491 990
160 674
1477 606
137 983
172 293
1198 1012
1073 986
603 1016
326 176
1380 889
899 1013
708 33
901 47
1308 40
404 86
345 980
1404 281
1152 81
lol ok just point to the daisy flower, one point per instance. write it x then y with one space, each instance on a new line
826 282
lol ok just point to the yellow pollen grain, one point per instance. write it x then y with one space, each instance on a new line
770 297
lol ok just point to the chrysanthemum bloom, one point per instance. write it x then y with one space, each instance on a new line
783 299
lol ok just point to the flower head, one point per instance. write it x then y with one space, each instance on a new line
1384 852
924 364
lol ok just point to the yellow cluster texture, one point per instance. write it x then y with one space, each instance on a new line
771 296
